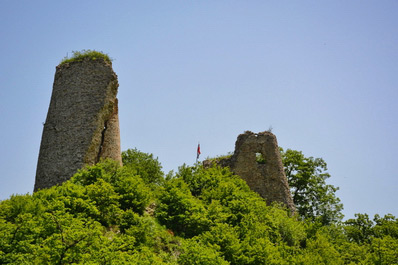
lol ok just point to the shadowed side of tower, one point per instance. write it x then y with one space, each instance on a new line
82 124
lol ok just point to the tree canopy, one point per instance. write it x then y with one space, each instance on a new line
108 214
314 199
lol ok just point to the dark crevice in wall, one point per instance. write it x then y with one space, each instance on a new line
102 142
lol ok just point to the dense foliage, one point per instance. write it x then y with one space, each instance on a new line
144 165
78 56
314 199
107 214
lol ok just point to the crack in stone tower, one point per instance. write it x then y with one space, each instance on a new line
82 124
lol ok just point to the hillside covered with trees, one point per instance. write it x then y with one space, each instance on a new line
135 214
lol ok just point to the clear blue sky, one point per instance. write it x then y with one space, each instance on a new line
322 74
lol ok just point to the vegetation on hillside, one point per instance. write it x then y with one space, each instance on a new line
314 199
107 214
78 56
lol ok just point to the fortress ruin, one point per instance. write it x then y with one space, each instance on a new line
82 124
258 161
82 127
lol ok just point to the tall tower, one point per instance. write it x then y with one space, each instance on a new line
82 124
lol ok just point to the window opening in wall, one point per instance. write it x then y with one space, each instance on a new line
260 158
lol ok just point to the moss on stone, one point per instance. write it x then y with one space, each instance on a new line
78 56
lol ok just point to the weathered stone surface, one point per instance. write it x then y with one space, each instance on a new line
267 177
82 124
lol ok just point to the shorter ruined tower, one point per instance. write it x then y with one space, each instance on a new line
82 124
258 161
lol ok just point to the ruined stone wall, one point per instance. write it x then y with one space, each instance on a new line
82 124
267 177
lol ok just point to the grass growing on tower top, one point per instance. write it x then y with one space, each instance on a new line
78 56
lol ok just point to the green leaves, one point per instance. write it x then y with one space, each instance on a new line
217 209
81 220
134 193
107 214
314 199
199 253
143 165
180 211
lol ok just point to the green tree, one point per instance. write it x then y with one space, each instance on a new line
134 194
359 230
198 253
180 211
386 226
314 199
378 240
144 165
97 217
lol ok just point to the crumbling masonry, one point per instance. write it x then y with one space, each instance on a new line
82 124
82 127
258 161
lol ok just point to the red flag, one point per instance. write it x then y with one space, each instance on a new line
198 152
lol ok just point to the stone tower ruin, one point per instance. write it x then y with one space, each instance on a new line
82 124
258 161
